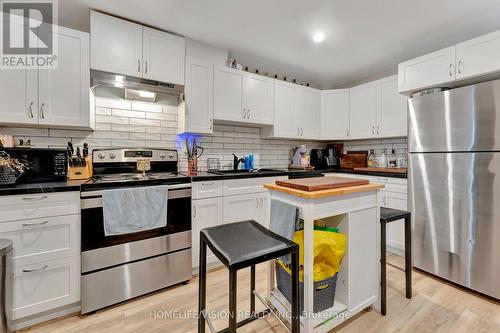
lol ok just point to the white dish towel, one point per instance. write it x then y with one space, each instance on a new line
135 209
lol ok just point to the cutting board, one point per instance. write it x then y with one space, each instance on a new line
388 170
323 183
353 159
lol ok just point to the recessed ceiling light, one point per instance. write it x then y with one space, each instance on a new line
318 37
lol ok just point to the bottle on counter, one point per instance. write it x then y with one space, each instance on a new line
382 160
371 160
391 160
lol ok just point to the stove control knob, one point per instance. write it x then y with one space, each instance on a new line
162 155
101 155
170 155
112 155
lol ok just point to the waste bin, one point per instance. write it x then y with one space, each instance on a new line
6 292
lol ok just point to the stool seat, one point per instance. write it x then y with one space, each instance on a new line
389 215
241 243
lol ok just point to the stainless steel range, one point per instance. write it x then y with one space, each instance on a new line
119 267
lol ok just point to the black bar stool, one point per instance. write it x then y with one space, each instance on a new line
240 245
388 215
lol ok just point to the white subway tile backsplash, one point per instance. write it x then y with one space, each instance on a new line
149 107
122 123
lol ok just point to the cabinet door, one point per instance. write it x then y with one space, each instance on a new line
395 230
116 45
285 107
334 114
228 95
363 255
206 213
64 92
308 112
363 111
392 114
426 71
245 207
164 55
258 99
18 91
478 56
199 110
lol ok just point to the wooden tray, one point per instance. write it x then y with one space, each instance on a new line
388 170
323 183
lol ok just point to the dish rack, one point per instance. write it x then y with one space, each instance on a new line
10 169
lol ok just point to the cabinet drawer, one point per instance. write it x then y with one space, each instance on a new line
46 285
207 189
248 185
43 239
30 206
254 206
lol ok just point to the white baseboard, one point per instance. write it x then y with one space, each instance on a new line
46 316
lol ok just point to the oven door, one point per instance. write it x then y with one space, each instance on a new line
178 220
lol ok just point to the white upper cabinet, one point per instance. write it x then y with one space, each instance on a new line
57 97
478 56
335 114
122 47
64 92
363 111
308 112
163 56
258 98
199 97
116 45
429 70
285 107
242 97
228 95
392 114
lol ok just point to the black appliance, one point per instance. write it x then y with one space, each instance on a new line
45 164
120 267
333 153
318 159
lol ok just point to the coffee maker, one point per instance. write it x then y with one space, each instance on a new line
333 153
319 159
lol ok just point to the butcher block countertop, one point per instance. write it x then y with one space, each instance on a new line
324 193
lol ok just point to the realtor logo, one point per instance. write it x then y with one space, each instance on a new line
28 30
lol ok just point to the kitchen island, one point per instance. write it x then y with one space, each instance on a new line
355 211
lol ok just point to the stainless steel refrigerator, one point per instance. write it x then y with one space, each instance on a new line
454 184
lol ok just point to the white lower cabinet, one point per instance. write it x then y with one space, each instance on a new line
205 213
243 207
45 232
45 286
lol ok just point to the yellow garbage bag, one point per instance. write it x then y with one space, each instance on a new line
329 250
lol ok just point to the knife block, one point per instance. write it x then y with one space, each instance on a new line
80 173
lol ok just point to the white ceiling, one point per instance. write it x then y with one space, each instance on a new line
365 39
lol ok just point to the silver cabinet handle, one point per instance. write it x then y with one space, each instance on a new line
460 67
256 202
248 111
298 131
301 131
207 184
378 129
373 129
210 124
243 113
194 215
39 224
139 65
347 132
42 115
30 110
36 199
35 270
146 66
261 202
451 70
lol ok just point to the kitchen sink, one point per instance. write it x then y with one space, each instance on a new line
242 172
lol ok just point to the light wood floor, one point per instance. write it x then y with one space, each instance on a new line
435 307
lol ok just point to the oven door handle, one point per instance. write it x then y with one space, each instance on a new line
187 186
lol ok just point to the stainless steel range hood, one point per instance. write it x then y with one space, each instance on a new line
99 78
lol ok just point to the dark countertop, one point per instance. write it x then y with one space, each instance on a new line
46 187
207 176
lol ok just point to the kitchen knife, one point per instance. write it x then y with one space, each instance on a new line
85 153
69 152
79 156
